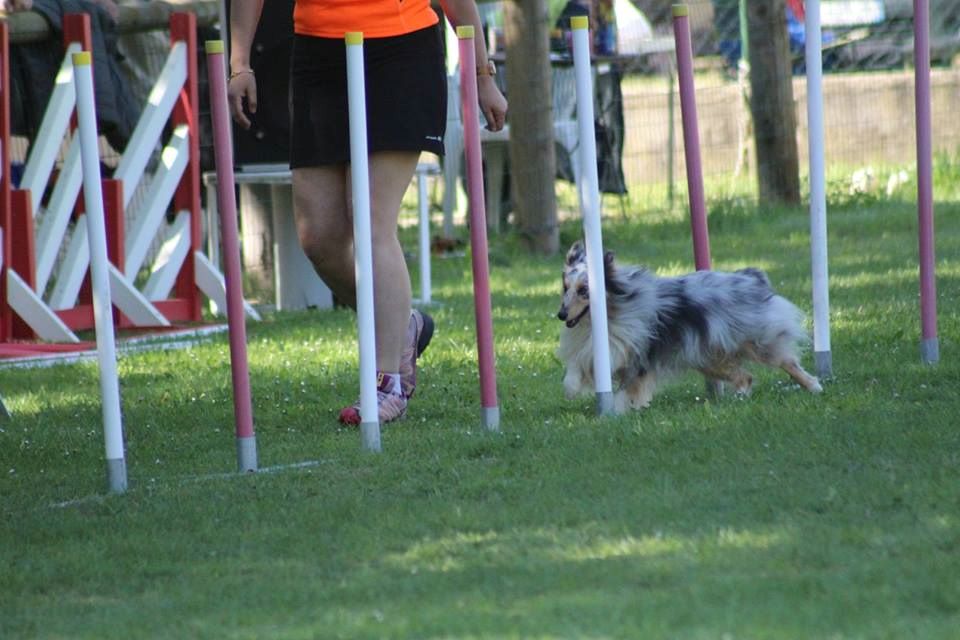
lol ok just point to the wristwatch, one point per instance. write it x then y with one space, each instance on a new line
490 69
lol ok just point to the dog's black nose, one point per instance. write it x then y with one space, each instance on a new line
562 314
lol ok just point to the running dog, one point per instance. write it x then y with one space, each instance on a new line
710 321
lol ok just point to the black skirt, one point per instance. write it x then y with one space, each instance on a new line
406 91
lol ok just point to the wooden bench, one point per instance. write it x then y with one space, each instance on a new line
296 283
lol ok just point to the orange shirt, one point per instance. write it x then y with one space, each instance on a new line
375 18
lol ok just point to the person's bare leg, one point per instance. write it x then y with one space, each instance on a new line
390 175
323 211
325 228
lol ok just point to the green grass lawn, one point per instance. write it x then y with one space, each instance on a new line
784 515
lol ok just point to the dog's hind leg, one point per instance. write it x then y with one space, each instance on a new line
730 372
782 355
804 379
639 391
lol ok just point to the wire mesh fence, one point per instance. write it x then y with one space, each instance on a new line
868 90
868 85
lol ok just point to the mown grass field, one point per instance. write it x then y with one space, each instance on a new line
780 516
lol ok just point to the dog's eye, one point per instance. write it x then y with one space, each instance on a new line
582 291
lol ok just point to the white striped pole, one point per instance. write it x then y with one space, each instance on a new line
823 359
589 192
362 243
424 211
930 343
102 305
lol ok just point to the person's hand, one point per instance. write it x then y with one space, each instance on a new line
12 6
492 103
241 87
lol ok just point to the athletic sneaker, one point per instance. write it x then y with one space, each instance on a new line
390 406
419 333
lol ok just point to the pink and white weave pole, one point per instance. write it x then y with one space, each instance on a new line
227 206
478 229
691 137
929 345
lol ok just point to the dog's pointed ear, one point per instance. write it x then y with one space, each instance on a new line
575 254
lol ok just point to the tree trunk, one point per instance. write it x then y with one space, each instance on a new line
771 102
533 161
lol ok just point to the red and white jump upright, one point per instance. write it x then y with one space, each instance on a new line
6 319
46 293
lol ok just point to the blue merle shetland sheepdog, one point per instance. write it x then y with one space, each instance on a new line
710 321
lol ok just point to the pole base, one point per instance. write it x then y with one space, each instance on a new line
930 350
370 433
605 403
247 454
823 364
117 475
490 416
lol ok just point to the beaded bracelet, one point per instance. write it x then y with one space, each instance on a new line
241 72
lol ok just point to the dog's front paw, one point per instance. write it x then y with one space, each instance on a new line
573 386
744 386
621 402
572 392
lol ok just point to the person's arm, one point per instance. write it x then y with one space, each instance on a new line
492 102
244 17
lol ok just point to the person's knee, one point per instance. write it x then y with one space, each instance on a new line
327 245
317 240
383 228
384 239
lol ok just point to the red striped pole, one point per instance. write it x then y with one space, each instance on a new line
478 229
227 206
691 136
